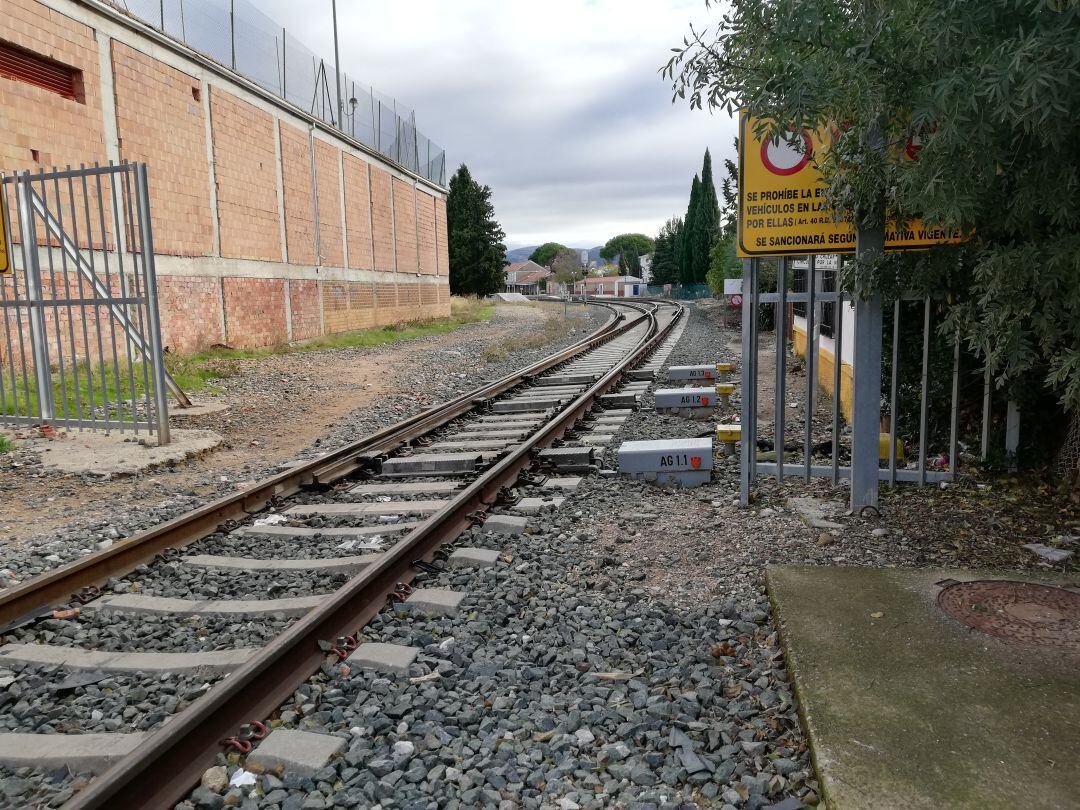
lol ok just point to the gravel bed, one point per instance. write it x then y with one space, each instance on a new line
181 581
284 548
53 700
122 632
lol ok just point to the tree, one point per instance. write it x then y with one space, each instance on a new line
729 192
476 250
566 265
689 238
544 254
629 263
636 243
978 104
723 263
665 266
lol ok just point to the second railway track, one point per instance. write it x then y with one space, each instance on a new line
289 571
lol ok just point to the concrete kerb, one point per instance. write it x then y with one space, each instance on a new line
76 752
392 658
470 557
137 603
436 601
199 663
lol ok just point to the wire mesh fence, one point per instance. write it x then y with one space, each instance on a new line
239 36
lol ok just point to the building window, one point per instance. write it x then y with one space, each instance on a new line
21 65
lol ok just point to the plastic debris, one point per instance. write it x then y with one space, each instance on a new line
271 520
242 778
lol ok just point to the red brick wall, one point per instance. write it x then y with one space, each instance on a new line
358 213
405 227
304 305
190 308
254 312
327 171
245 171
348 305
33 120
299 207
159 118
440 237
382 219
425 216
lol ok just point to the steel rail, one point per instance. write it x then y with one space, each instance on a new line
164 768
30 598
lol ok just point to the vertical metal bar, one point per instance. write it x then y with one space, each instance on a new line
82 307
6 223
337 69
232 32
755 337
157 358
894 378
97 308
747 382
129 346
38 339
954 417
866 368
139 288
838 362
925 379
780 331
161 11
811 364
984 444
70 311
284 86
61 365
109 295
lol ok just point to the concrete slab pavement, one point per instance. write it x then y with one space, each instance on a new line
907 707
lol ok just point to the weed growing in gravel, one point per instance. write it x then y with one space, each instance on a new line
5 444
553 330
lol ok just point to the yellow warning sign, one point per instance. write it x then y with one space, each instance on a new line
782 201
5 242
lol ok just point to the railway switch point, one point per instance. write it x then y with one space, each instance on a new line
437 601
506 524
473 558
620 400
728 435
390 658
301 753
668 462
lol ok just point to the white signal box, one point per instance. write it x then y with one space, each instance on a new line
668 462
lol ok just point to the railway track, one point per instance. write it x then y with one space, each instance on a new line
371 518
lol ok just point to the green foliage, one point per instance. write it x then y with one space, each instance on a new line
990 90
477 252
706 226
629 264
665 264
637 244
5 444
544 254
724 263
688 240
566 265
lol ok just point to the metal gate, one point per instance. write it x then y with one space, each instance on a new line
80 343
872 421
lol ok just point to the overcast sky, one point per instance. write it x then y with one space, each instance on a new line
558 106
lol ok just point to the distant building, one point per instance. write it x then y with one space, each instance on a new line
525 277
611 286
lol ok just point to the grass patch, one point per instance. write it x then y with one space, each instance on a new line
5 444
553 329
99 388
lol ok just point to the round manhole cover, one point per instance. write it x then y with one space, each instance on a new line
1018 611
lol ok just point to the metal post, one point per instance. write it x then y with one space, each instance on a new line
811 364
232 31
284 86
157 359
984 444
954 416
925 387
780 330
1012 433
893 383
337 69
315 196
866 394
747 418
39 344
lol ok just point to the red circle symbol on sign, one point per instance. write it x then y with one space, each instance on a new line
784 159
736 300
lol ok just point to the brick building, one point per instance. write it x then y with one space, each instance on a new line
269 225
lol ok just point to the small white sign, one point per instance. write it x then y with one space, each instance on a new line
732 286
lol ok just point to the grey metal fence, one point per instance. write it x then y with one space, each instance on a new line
80 342
239 36
818 441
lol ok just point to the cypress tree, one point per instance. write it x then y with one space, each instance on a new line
477 253
688 236
706 229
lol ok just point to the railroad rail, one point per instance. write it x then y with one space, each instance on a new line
171 758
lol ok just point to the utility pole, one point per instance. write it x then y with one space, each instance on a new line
337 69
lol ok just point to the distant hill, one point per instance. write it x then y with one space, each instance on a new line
522 253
